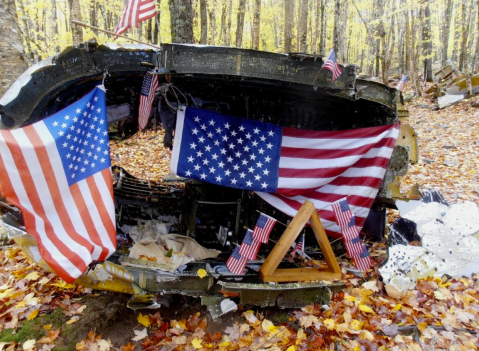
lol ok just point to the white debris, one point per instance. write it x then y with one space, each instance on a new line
448 100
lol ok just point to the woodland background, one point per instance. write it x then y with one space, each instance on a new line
382 37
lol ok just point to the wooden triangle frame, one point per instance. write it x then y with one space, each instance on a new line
269 272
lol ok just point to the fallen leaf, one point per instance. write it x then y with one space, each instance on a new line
366 309
52 335
74 319
201 273
143 320
104 345
393 292
371 285
47 326
140 334
29 344
32 276
128 347
32 315
197 343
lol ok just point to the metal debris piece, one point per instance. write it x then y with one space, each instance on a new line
448 100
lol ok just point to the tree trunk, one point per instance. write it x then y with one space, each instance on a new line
446 31
228 24
223 23
303 26
343 38
412 53
427 42
322 41
462 51
12 56
256 24
400 44
476 55
240 23
288 25
181 14
317 29
212 17
54 24
75 14
337 26
204 22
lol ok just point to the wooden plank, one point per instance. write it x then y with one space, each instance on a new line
324 244
299 275
287 239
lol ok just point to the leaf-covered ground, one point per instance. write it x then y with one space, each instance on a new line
40 312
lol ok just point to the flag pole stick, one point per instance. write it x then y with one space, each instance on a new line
317 75
78 23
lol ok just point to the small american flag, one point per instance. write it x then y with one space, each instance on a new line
147 96
57 171
332 64
250 246
402 83
347 223
236 263
264 226
299 247
135 12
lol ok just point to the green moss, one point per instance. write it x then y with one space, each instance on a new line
34 330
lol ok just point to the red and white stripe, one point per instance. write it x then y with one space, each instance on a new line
73 225
324 167
135 12
262 234
250 251
146 102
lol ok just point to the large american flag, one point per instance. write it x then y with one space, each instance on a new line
57 171
285 166
147 96
332 64
135 12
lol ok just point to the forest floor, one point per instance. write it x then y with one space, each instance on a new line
38 311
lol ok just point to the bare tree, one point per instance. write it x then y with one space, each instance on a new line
322 41
181 13
204 22
75 14
12 56
303 26
256 24
462 51
288 24
337 25
427 42
212 17
240 23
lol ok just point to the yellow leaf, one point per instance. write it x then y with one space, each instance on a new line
32 315
63 284
143 320
32 276
366 335
29 344
48 326
422 326
356 325
197 343
366 309
74 319
291 348
397 307
201 273
438 295
329 323
349 298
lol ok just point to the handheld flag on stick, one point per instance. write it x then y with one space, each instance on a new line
57 171
331 64
250 246
299 247
135 12
147 96
354 247
263 228
236 263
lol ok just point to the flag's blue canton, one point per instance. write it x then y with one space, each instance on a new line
145 88
248 239
352 222
356 240
236 253
365 252
81 135
343 205
230 151
262 219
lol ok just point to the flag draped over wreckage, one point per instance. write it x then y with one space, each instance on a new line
285 166
57 171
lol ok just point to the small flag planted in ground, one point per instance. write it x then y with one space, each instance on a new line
299 247
250 247
331 64
347 222
263 228
147 96
236 263
402 83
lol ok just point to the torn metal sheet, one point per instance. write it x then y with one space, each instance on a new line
450 245
448 100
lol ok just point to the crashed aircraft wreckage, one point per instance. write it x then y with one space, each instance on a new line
169 231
